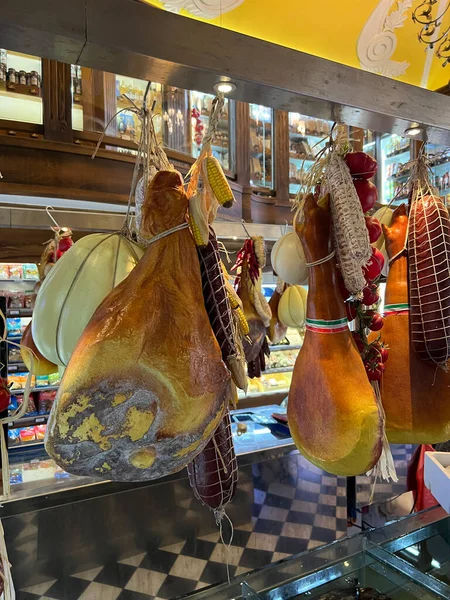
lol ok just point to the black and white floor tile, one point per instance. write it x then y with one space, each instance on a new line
303 509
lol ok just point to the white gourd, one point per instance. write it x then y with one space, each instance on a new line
384 216
75 287
292 306
288 259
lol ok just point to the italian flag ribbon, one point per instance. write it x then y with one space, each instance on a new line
396 309
321 326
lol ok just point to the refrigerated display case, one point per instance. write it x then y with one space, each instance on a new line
18 285
276 379
440 167
395 168
261 146
200 107
307 137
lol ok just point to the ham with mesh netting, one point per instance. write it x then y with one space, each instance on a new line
429 278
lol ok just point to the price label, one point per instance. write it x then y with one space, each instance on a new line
40 420
13 367
14 313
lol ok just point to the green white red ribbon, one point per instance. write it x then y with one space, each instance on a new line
396 309
322 326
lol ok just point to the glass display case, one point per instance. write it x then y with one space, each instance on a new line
368 566
307 137
395 168
277 376
261 146
20 87
200 110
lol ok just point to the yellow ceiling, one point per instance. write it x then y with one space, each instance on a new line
375 35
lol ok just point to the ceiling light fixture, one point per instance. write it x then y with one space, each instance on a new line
414 130
224 87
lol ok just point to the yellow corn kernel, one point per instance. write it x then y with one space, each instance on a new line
195 231
242 321
197 220
218 182
233 302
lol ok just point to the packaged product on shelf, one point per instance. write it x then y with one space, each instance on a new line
14 327
27 435
31 409
14 355
30 271
29 299
13 403
16 300
24 322
45 401
18 380
42 380
13 437
39 431
15 271
54 378
4 271
15 475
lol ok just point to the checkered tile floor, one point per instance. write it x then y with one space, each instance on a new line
305 510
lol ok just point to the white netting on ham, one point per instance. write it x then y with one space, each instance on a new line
213 474
349 228
429 269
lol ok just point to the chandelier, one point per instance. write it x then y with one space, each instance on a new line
430 29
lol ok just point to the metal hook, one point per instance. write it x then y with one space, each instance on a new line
245 228
47 210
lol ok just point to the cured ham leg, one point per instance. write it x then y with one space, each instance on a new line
415 393
332 409
146 386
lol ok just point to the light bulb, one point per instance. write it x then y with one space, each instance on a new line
224 87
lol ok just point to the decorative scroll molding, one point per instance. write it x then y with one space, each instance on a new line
208 9
377 41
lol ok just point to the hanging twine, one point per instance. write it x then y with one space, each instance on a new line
150 153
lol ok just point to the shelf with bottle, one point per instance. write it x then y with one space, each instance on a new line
20 74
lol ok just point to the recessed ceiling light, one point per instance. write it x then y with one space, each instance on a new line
414 130
224 87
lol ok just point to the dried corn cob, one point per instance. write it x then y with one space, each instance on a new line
217 181
243 323
198 219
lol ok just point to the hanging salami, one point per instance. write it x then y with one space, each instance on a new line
429 269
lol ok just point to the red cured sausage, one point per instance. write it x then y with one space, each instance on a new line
213 473
429 279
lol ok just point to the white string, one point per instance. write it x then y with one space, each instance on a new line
164 234
219 514
321 261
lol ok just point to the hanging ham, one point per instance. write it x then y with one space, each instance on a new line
146 386
333 413
415 393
